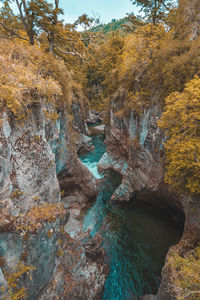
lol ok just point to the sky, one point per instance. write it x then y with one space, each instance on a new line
105 9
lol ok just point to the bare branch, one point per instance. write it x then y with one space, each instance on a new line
74 53
83 39
57 4
12 31
19 5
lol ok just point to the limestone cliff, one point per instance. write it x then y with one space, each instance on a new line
40 255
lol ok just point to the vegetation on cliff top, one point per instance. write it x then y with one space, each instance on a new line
26 75
52 69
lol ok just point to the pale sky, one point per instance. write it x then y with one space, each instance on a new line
105 9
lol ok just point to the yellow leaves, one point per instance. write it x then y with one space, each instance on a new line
53 116
25 77
9 96
187 280
181 122
35 217
137 101
15 290
103 70
152 32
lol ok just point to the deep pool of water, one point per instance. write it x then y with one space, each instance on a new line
136 236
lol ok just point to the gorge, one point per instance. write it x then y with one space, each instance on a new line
136 237
100 154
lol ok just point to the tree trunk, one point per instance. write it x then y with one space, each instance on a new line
31 40
27 20
50 38
51 35
154 17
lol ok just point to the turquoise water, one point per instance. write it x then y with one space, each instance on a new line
136 237
91 159
94 124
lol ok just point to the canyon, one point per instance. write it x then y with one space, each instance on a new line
99 154
40 167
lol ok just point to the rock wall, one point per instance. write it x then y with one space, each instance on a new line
135 150
38 254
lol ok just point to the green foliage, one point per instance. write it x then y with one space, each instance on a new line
111 26
181 122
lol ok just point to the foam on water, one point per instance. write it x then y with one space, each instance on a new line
92 166
91 159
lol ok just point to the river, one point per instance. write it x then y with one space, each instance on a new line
136 235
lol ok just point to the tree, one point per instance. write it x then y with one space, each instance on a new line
132 23
34 16
85 21
155 10
9 23
181 122
47 20
26 18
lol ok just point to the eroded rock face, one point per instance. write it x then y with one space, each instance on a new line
93 116
27 164
77 276
78 180
34 153
135 150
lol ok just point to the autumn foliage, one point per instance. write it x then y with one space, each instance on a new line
15 290
181 121
186 282
26 75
